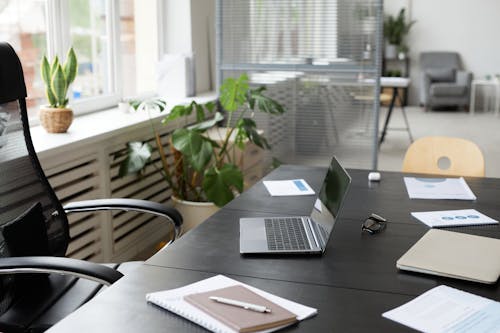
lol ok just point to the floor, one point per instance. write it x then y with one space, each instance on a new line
483 128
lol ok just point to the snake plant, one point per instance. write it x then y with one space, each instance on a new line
57 78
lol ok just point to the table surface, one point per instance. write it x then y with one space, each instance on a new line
351 284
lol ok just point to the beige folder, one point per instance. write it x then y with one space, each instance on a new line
456 255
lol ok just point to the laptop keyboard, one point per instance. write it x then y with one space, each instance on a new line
286 234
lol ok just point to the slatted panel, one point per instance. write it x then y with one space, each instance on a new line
73 180
130 229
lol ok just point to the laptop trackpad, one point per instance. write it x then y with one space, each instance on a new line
252 235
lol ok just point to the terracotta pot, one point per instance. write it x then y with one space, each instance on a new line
55 120
193 213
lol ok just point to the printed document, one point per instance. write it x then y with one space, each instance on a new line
288 187
438 188
453 218
445 309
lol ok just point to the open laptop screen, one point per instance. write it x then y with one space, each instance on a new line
330 199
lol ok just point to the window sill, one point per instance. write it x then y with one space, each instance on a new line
98 126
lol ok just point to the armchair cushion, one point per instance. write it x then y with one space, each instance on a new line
447 89
26 235
441 74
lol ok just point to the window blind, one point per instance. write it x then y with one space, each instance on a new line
321 59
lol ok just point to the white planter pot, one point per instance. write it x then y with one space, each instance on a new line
193 213
390 51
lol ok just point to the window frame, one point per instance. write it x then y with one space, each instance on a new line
59 40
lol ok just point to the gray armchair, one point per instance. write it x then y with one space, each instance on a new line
443 82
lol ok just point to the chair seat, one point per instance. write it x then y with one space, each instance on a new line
447 89
41 305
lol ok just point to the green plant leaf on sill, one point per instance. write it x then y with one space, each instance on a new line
195 148
208 123
233 93
264 103
247 129
138 155
218 184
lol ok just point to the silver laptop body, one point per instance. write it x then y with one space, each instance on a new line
299 234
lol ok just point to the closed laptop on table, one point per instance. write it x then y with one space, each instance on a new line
454 254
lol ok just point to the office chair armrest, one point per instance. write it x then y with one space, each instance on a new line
59 265
171 214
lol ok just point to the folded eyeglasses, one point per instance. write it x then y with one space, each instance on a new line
374 224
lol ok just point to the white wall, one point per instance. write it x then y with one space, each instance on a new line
190 28
203 35
469 27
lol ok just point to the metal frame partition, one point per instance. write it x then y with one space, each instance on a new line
322 60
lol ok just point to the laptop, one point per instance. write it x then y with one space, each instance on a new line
299 234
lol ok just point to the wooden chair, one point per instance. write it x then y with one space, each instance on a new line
444 156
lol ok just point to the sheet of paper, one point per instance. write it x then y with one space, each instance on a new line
445 309
453 218
288 187
438 188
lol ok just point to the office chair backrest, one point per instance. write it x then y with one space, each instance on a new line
22 181
444 156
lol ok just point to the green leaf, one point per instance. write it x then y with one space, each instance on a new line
152 104
177 112
59 86
219 184
53 66
210 106
247 128
264 103
135 104
208 123
195 148
70 66
45 71
200 113
51 98
138 154
233 93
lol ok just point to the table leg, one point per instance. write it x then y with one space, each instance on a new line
497 98
388 117
472 99
405 117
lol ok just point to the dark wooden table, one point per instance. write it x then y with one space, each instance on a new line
351 285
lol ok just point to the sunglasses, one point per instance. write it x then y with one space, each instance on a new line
374 224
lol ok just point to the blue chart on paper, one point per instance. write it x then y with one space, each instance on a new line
300 185
430 182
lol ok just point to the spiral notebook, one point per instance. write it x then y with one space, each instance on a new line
173 300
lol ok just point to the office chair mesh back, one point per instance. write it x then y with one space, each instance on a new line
22 181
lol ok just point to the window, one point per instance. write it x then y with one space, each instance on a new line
29 39
104 34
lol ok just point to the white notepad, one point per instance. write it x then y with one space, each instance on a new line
453 218
445 309
173 300
288 187
438 188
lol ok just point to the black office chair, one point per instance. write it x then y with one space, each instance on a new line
38 286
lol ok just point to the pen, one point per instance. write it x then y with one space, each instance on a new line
244 305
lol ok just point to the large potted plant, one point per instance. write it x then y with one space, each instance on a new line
204 169
395 31
56 117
